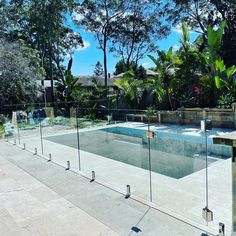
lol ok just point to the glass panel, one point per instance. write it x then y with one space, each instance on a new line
117 152
59 131
220 182
28 119
178 169
234 194
8 124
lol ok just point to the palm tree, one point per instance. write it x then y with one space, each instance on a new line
166 69
131 88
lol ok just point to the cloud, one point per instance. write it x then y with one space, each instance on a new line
86 46
178 29
78 49
176 47
146 65
77 17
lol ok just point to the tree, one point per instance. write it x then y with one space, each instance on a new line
50 35
163 82
131 88
139 71
138 31
3 18
19 72
191 64
43 25
199 14
98 71
70 89
101 17
120 67
219 75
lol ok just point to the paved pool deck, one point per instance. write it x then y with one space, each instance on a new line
183 198
41 198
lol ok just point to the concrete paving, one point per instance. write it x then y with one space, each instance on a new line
40 198
28 207
184 196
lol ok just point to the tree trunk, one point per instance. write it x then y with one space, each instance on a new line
105 61
213 93
51 75
169 99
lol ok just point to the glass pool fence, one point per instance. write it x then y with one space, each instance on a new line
175 168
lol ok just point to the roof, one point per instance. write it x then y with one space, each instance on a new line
86 81
148 73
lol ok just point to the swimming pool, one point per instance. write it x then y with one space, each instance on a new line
172 155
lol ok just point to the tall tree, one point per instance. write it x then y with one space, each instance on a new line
19 72
98 71
50 35
139 30
201 13
43 25
101 18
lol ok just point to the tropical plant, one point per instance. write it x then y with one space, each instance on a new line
199 14
191 66
166 69
151 111
220 77
225 101
131 88
69 89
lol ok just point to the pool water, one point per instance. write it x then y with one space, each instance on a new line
131 146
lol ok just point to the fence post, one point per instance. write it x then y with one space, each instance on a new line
204 114
159 117
234 110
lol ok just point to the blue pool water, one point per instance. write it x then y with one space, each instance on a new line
171 154
141 132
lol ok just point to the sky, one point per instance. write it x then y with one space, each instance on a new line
84 59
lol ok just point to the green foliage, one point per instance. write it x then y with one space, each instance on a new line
131 88
151 111
20 70
98 71
1 130
139 71
98 91
69 89
214 39
43 25
121 67
138 30
220 77
226 101
200 14
163 83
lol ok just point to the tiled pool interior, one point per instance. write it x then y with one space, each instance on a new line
172 154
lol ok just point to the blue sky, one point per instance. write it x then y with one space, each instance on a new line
85 58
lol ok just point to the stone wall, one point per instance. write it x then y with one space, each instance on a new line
192 116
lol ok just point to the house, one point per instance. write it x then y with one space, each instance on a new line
86 81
